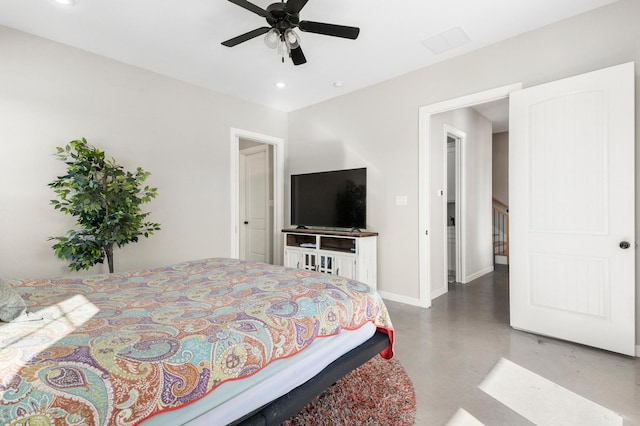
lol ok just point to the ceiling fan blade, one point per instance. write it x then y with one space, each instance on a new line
330 29
246 36
294 6
250 7
297 56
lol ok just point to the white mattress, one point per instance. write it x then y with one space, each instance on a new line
235 399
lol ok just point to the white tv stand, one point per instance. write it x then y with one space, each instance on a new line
348 254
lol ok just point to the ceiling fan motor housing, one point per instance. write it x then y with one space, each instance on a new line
280 19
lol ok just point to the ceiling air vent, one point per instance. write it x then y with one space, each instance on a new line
448 40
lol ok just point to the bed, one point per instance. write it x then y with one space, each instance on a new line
213 341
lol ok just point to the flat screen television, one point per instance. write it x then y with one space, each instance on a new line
334 199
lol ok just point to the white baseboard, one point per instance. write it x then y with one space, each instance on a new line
501 260
401 299
478 274
439 293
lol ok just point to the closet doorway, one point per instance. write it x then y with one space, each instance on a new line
257 175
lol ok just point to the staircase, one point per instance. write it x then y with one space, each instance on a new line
500 232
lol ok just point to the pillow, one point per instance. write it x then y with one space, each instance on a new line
11 304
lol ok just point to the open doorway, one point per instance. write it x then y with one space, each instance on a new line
257 174
555 259
455 138
432 217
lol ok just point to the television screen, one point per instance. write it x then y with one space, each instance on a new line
335 199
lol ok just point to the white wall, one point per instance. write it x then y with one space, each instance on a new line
51 94
477 225
378 127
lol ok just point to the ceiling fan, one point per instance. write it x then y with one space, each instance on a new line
283 18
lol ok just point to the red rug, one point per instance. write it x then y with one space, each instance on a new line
377 393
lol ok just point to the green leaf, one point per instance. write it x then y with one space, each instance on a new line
104 198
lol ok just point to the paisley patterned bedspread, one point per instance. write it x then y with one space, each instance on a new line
117 349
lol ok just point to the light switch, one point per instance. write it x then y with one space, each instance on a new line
401 200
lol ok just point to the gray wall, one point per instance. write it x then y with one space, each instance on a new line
51 94
378 126
500 171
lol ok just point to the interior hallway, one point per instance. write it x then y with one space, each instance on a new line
449 349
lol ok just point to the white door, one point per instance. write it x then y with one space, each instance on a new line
254 200
571 192
291 258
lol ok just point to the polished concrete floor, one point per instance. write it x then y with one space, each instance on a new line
449 349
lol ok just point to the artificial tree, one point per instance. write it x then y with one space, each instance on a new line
105 199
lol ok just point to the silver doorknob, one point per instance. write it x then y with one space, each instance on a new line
624 245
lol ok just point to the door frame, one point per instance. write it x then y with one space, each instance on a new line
278 179
424 139
460 140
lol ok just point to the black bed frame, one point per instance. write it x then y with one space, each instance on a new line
283 408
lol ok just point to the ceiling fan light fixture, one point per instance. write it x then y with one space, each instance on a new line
283 50
66 2
291 38
272 39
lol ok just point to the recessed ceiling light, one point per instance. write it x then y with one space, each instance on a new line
280 84
66 2
338 84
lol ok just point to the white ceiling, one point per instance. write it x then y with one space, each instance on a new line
181 39
497 112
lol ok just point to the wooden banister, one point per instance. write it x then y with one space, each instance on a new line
500 203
